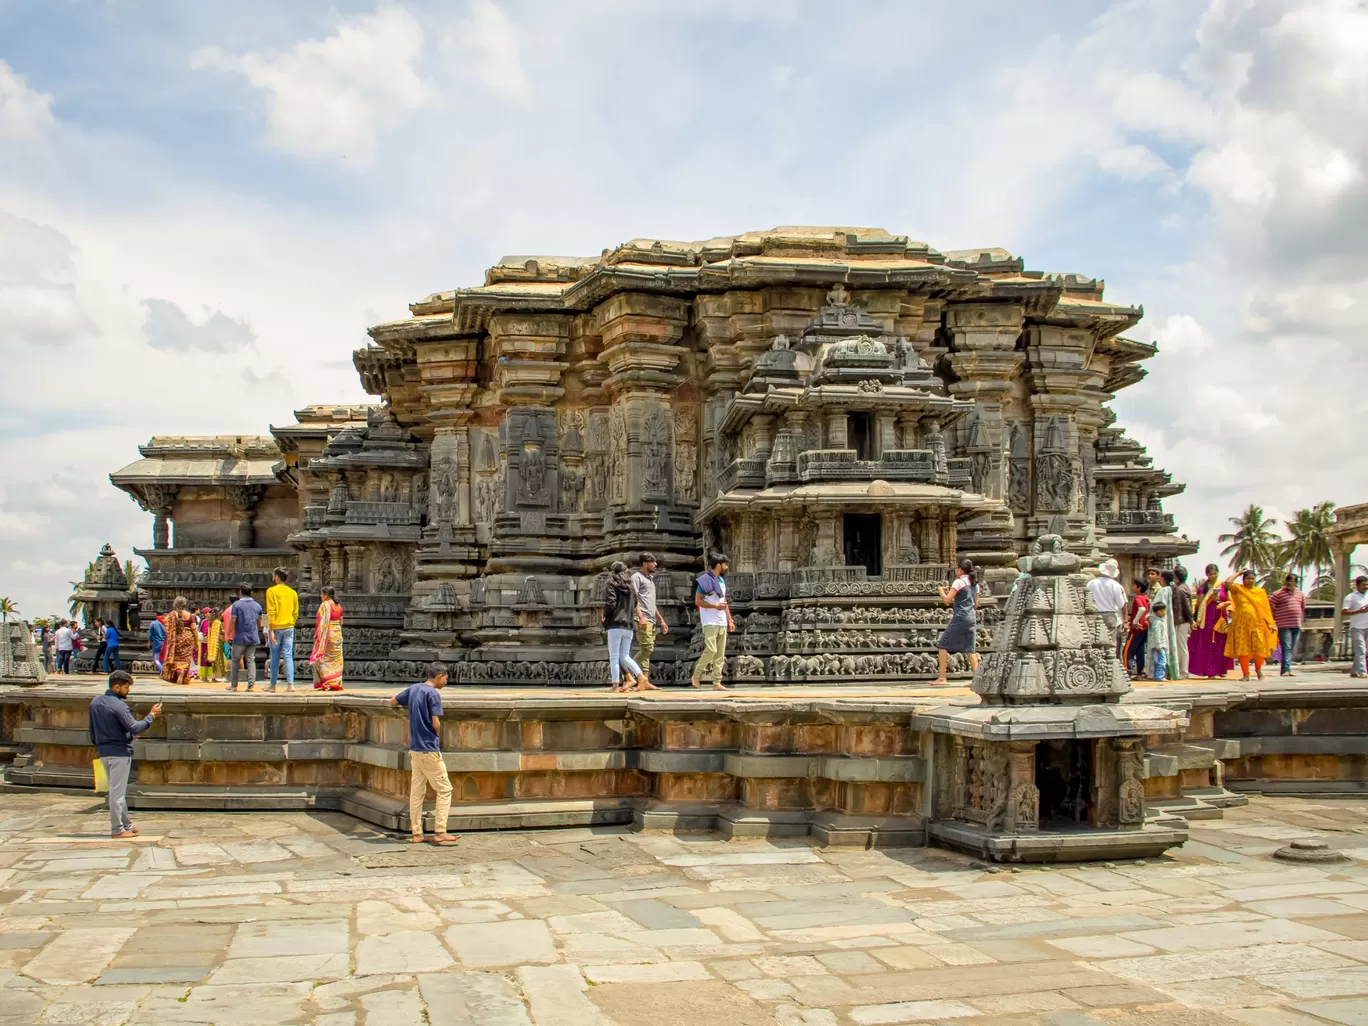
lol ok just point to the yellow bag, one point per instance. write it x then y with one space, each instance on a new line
101 778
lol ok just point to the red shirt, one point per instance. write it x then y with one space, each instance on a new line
1139 618
1289 607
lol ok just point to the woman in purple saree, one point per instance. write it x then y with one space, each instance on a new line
1206 645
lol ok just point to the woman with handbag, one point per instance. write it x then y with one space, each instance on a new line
1207 642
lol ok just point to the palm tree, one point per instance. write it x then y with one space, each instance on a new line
1309 545
7 607
1254 542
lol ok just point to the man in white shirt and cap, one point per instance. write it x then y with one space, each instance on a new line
1109 596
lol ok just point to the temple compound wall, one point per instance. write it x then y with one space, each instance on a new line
843 411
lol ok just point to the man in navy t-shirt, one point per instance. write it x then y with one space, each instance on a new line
424 705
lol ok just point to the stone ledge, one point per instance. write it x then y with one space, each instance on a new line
1082 845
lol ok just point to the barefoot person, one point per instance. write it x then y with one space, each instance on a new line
958 636
1253 633
424 704
112 730
714 616
619 616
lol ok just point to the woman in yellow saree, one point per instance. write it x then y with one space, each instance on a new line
182 644
326 655
1253 634
215 666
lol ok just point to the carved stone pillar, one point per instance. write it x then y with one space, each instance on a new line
935 441
244 499
985 361
356 581
887 434
158 500
640 339
836 430
787 526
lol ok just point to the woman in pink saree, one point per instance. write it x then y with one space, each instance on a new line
1206 645
326 655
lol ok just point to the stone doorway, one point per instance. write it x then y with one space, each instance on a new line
864 542
1063 775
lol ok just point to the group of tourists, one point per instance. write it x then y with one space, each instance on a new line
1166 631
213 646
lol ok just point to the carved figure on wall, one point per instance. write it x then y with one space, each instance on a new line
387 580
532 476
571 488
1019 472
487 498
389 488
686 473
617 457
489 458
444 478
656 453
420 492
1054 475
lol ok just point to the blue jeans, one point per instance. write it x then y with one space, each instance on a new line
1158 664
111 659
619 653
64 660
1287 638
281 651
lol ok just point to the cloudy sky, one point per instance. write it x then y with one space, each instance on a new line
203 205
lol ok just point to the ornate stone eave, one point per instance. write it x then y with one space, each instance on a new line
849 496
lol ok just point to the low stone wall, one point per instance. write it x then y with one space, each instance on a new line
847 770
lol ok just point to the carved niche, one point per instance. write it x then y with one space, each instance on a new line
617 456
572 462
596 461
1055 478
685 454
1019 470
655 450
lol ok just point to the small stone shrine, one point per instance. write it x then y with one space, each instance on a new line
1048 767
106 594
20 662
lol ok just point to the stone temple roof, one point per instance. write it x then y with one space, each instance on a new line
815 255
202 459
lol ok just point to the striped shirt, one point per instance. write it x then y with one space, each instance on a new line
1289 607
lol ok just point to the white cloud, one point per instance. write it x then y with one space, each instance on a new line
167 326
1182 334
488 38
24 112
336 96
38 300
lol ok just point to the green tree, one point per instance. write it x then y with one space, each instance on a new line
1307 552
1254 542
7 607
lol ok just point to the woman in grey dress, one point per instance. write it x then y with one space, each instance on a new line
958 635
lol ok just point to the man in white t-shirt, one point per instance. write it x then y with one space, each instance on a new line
714 616
66 645
1108 595
1356 604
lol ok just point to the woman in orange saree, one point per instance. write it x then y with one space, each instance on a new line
1253 633
182 646
326 655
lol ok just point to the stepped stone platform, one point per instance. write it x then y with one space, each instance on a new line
847 765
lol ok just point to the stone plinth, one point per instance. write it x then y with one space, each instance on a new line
1050 766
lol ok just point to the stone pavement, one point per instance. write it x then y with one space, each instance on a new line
318 919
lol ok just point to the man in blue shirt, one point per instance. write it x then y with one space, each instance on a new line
246 618
424 705
111 641
156 638
112 730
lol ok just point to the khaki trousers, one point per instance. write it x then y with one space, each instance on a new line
427 768
645 639
710 663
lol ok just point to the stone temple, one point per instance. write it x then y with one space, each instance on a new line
843 411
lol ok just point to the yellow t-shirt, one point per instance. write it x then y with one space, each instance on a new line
282 607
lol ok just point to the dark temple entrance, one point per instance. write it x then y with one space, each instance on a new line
1063 774
860 435
864 542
